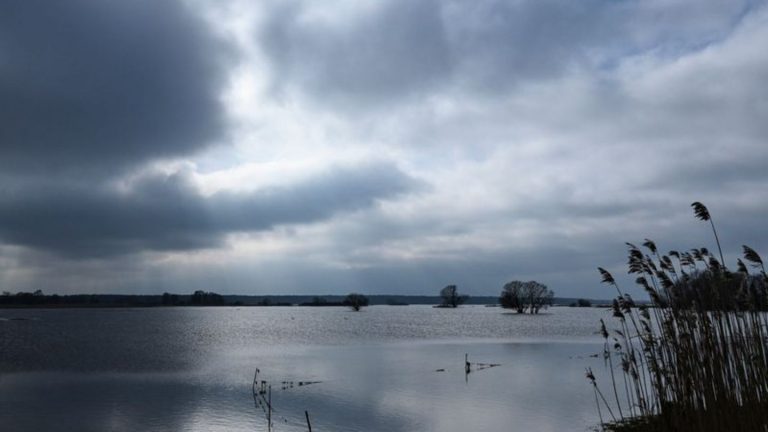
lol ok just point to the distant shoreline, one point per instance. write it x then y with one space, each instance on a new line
90 301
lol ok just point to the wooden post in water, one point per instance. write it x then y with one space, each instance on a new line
309 425
269 406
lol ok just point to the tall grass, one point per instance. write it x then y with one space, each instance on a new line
696 357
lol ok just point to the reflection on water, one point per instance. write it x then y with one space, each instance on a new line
190 369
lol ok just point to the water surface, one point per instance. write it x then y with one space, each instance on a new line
386 368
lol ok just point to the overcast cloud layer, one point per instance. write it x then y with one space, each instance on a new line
380 147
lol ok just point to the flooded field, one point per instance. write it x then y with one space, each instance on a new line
383 369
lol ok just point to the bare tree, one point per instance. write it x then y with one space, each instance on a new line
512 296
451 296
538 296
356 301
528 296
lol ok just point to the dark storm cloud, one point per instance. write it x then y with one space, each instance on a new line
99 85
167 213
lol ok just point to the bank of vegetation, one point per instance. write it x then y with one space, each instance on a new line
696 357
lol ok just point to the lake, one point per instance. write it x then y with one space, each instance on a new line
386 368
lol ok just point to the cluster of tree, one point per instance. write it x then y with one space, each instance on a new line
353 300
395 302
530 297
170 299
581 303
525 297
321 301
37 298
266 301
204 298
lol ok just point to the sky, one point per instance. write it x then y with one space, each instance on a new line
398 146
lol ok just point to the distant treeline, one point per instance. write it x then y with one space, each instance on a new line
38 298
205 298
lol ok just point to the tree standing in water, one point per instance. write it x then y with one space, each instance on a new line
356 301
451 296
521 296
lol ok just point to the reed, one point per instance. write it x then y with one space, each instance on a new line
696 357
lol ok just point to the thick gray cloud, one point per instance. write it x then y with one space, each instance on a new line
397 50
499 42
166 212
100 85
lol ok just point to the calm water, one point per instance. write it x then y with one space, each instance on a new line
191 369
